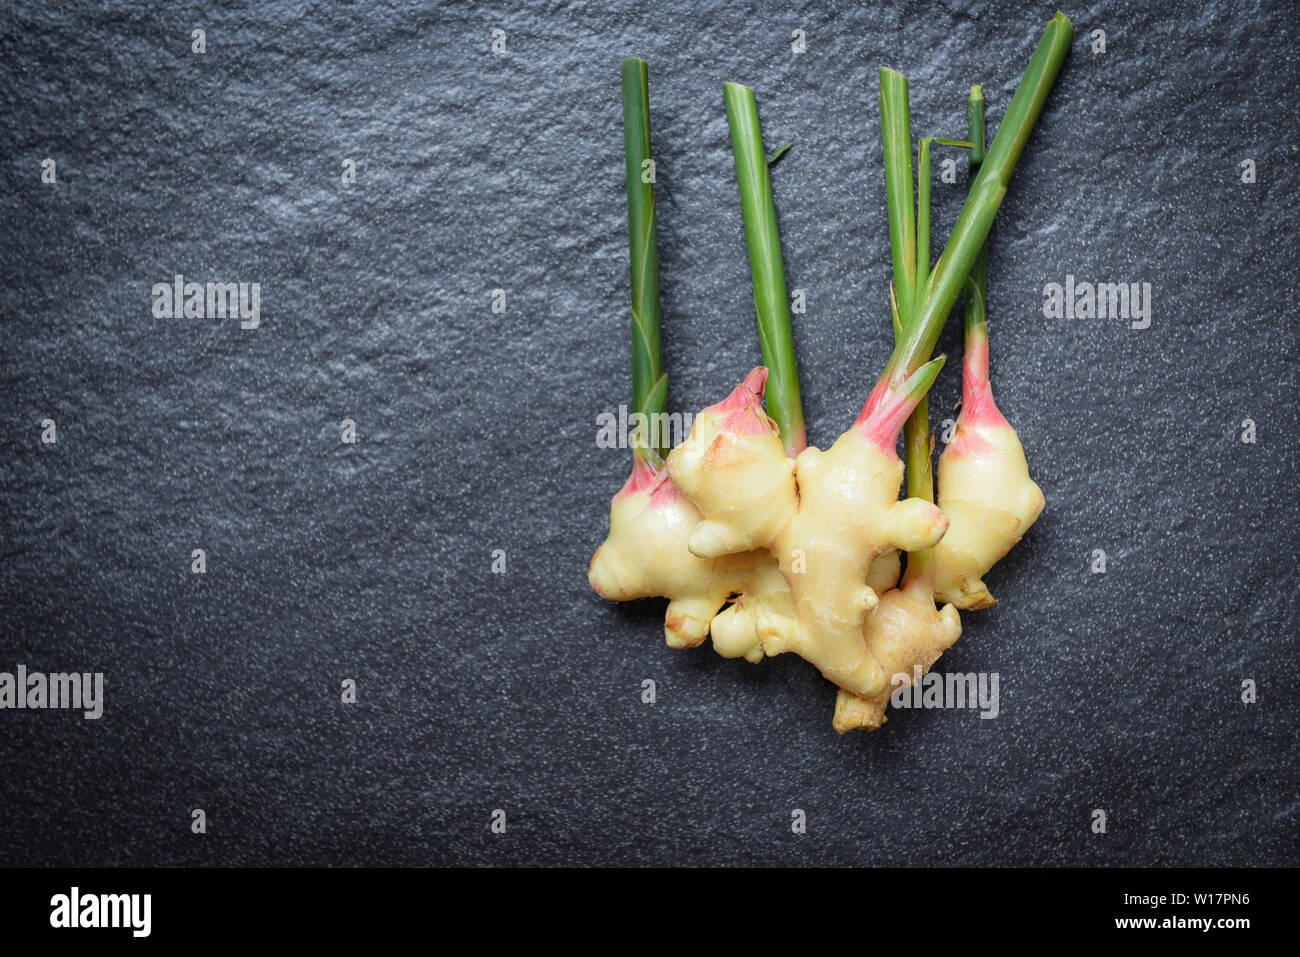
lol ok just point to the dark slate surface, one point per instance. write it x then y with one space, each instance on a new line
477 431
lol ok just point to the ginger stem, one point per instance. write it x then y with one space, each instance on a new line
649 384
979 272
923 313
916 434
909 237
975 330
771 300
909 234
936 300
923 203
896 138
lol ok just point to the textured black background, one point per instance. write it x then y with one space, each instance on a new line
477 431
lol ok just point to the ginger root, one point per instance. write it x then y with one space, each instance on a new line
803 565
828 517
984 488
772 547
904 631
645 556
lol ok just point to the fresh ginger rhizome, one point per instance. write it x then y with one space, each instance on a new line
768 545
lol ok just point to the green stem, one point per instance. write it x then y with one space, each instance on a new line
923 212
917 453
771 301
909 238
649 384
976 299
916 433
896 140
949 275
918 465
923 203
917 446
908 223
918 449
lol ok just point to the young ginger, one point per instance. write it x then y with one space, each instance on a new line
804 543
904 631
828 516
984 485
647 554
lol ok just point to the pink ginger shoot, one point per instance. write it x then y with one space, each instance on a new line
742 411
891 402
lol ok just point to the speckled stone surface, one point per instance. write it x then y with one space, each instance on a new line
476 431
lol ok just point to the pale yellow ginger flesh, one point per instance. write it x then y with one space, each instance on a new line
765 595
646 556
984 489
733 467
903 633
806 550
827 518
